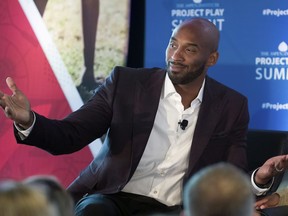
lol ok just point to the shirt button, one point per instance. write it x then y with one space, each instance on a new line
155 192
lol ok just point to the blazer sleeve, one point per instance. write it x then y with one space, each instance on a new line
79 128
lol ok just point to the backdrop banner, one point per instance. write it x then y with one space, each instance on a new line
30 55
253 49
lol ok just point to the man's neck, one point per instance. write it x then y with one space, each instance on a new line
189 92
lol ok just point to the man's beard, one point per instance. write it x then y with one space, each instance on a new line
185 76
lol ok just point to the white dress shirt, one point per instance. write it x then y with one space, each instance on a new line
162 167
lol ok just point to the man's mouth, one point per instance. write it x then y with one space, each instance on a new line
176 67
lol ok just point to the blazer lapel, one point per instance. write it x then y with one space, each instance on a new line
209 115
147 95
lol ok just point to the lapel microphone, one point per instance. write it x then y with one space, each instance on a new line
183 124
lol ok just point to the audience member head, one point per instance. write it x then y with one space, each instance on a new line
219 190
57 196
17 199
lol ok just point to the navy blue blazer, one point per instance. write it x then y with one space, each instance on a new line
124 108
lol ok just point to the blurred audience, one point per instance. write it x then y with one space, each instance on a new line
219 189
57 196
17 199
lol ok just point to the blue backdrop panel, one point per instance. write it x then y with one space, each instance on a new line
253 49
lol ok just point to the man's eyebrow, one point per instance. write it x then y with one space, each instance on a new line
188 44
173 39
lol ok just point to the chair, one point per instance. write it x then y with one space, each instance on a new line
262 145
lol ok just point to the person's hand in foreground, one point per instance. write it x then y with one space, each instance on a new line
268 201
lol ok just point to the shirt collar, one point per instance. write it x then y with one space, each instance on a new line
169 89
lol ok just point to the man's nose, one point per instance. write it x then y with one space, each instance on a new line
177 54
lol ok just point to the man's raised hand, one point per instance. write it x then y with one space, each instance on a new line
16 106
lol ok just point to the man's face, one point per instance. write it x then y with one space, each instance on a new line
187 55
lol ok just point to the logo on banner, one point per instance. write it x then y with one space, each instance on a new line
273 65
212 11
276 12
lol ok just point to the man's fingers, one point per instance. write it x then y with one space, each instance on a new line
8 112
2 104
2 100
259 204
278 167
11 84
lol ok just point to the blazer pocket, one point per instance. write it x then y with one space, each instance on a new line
219 140
221 135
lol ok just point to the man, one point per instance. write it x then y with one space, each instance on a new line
149 153
219 189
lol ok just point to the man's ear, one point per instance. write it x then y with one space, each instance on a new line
213 58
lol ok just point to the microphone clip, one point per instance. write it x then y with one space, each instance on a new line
183 124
